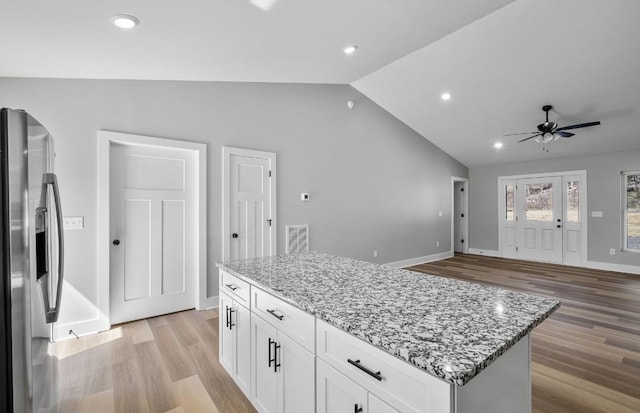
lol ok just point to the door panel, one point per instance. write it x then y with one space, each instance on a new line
173 259
265 384
152 215
572 225
297 377
137 271
508 218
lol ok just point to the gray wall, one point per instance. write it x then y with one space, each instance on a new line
374 182
603 194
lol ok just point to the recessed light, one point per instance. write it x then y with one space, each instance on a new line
446 96
350 49
497 145
125 21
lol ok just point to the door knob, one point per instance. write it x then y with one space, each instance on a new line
116 242
234 235
559 226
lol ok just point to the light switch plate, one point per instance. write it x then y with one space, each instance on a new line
596 214
73 222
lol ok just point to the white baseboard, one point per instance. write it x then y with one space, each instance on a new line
208 303
488 253
596 265
419 260
81 328
607 266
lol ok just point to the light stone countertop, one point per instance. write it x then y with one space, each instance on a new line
452 329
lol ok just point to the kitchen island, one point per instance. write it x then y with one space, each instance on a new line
372 338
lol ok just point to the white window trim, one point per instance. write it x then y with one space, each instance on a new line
623 191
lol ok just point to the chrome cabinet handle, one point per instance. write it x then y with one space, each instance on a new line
356 408
232 287
273 313
356 363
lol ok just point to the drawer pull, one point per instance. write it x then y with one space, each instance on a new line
232 287
273 313
357 409
356 363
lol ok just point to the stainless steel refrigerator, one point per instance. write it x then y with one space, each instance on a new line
31 276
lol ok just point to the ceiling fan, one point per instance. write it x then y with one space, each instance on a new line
549 131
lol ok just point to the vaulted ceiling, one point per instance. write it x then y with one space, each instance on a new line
501 60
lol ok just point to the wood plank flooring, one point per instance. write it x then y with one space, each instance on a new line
586 356
162 364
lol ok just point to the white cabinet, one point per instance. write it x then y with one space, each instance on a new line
235 343
283 372
337 393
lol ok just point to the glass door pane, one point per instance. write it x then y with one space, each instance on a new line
573 201
539 202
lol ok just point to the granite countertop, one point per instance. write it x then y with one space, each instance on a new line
452 329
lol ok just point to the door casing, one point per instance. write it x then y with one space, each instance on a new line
465 207
581 176
105 140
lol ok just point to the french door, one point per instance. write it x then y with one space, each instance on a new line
541 219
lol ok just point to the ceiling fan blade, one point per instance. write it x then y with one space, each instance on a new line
578 126
521 133
564 134
530 137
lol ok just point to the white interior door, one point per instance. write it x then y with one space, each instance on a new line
539 220
249 224
153 216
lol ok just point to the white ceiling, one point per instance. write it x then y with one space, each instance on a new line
223 40
501 60
581 56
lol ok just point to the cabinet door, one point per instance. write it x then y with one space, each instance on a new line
296 377
242 347
226 335
336 393
265 379
378 406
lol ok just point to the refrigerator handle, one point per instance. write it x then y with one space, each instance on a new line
51 313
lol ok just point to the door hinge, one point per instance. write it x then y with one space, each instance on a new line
516 217
269 222
269 174
462 241
461 189
516 249
461 215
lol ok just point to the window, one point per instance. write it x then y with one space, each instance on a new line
573 201
539 202
631 203
509 198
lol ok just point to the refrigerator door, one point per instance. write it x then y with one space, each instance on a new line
29 378
46 248
16 270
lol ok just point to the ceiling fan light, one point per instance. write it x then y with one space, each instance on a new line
548 137
556 136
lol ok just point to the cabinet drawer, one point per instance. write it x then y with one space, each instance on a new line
235 287
401 385
292 321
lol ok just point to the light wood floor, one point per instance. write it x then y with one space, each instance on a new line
586 356
162 364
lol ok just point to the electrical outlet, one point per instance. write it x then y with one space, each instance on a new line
439 213
437 243
73 222
375 253
612 251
